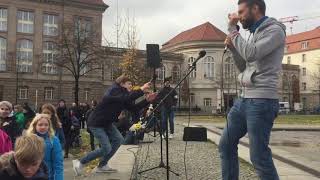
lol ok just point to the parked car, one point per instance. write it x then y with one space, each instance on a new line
284 108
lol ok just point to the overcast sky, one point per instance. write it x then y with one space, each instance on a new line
160 20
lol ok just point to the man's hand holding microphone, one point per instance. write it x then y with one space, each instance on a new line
233 21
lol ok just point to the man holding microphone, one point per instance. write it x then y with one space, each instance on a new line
259 61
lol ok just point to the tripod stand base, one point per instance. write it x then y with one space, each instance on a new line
161 165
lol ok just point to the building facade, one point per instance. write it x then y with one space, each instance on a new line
303 50
214 74
289 85
29 31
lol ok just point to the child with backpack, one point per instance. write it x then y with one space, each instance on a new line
41 125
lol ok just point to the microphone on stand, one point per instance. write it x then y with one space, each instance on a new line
226 47
201 55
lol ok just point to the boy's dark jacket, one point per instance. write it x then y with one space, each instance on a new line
114 101
9 171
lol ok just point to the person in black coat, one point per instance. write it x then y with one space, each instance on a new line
88 113
100 122
8 122
167 108
64 116
29 114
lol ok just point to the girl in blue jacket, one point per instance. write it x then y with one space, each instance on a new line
42 126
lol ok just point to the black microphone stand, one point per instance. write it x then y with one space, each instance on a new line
161 165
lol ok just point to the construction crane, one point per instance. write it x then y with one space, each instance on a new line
292 19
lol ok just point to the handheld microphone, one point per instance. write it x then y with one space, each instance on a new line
201 55
226 47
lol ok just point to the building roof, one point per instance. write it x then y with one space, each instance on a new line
302 42
203 32
95 2
313 34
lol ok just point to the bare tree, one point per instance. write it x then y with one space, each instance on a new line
80 51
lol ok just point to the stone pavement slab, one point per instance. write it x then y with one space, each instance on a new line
285 170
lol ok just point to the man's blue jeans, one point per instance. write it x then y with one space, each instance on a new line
167 113
110 140
255 117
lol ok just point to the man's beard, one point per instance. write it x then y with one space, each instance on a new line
247 23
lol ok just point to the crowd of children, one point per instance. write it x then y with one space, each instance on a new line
31 145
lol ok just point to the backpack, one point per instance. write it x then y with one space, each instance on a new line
5 142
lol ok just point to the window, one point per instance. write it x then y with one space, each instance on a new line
84 64
48 93
305 45
1 93
285 82
160 72
208 67
83 27
207 102
50 25
3 53
25 21
193 73
289 60
286 49
228 69
304 86
87 94
175 73
3 19
24 55
285 99
192 98
23 92
304 71
112 72
304 58
49 58
304 102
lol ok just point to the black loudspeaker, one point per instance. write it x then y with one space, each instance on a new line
195 134
153 55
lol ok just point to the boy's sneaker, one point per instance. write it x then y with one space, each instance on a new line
171 136
104 169
77 167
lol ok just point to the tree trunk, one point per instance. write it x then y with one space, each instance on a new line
76 90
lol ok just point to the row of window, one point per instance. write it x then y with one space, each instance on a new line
286 86
25 22
24 56
304 45
207 102
304 59
209 69
23 93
